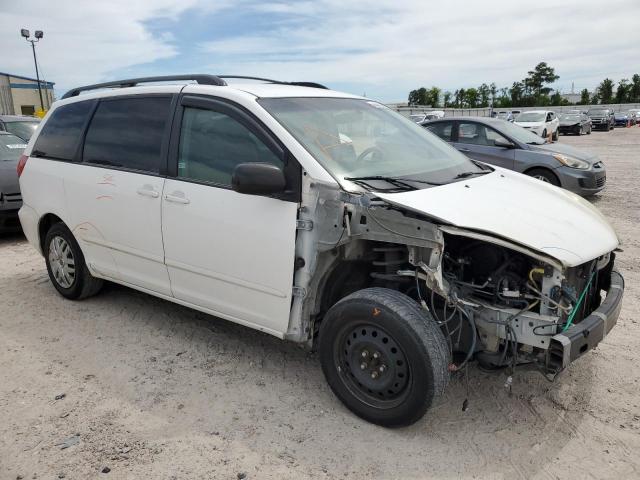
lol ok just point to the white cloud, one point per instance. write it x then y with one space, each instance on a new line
389 47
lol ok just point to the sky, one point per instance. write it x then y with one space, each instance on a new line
381 49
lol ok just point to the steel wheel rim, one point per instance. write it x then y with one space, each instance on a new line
61 261
372 365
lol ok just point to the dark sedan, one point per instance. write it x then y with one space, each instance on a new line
574 123
622 119
506 145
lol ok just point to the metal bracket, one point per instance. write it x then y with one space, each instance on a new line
299 292
304 225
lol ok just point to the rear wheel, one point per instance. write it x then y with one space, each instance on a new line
66 266
544 175
383 356
589 130
554 136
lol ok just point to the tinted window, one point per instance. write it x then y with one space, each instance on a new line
441 129
23 130
477 134
61 133
212 144
128 133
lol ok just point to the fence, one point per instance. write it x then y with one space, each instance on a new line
486 112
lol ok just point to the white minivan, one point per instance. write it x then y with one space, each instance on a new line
321 218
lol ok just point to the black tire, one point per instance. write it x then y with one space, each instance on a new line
589 131
544 175
554 136
409 344
81 284
544 134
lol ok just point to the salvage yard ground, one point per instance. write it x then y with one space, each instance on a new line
143 388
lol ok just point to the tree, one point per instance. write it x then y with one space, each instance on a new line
623 91
516 92
605 91
472 97
484 91
504 99
584 97
556 99
433 96
460 99
634 93
418 97
447 99
494 90
538 77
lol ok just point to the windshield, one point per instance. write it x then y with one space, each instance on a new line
531 117
11 147
570 116
516 132
598 111
361 138
23 130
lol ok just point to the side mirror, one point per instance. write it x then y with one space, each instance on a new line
258 179
504 143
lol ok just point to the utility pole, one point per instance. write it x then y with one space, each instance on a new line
38 35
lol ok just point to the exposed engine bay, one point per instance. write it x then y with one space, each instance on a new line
496 301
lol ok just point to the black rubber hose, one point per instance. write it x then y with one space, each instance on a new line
472 349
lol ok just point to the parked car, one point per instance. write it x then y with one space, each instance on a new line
418 117
508 116
576 123
509 146
540 122
635 115
601 118
20 125
11 148
336 221
621 119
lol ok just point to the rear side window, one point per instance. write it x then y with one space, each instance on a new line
61 133
441 129
128 133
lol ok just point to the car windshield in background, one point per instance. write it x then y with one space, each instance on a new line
361 138
570 116
11 147
23 130
520 134
597 112
531 117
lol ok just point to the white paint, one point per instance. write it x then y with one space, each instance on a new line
524 210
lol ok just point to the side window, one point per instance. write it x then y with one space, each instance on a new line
549 117
61 133
128 133
213 143
477 134
441 129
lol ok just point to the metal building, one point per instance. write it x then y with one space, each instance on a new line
19 95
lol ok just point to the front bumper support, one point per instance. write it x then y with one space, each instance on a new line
567 346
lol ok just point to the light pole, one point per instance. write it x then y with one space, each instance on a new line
38 35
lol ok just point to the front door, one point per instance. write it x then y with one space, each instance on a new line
477 141
228 253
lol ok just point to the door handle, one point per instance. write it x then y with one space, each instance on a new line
177 198
148 192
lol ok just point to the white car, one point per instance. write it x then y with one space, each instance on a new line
540 122
321 218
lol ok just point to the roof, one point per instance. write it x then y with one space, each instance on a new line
26 78
18 118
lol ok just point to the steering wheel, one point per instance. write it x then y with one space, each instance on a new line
375 152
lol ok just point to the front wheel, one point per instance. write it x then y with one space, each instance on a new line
66 266
544 134
544 175
383 356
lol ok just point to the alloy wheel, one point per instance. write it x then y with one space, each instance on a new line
62 263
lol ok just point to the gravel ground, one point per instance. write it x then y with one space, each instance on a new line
148 389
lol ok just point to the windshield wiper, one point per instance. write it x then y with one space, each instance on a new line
470 174
399 183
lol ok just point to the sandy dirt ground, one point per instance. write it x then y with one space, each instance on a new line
153 390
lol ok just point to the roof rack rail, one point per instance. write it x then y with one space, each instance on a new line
200 79
279 82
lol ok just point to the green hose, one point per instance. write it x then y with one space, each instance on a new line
575 309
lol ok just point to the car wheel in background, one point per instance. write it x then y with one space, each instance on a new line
66 266
544 175
589 130
383 356
544 134
554 136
